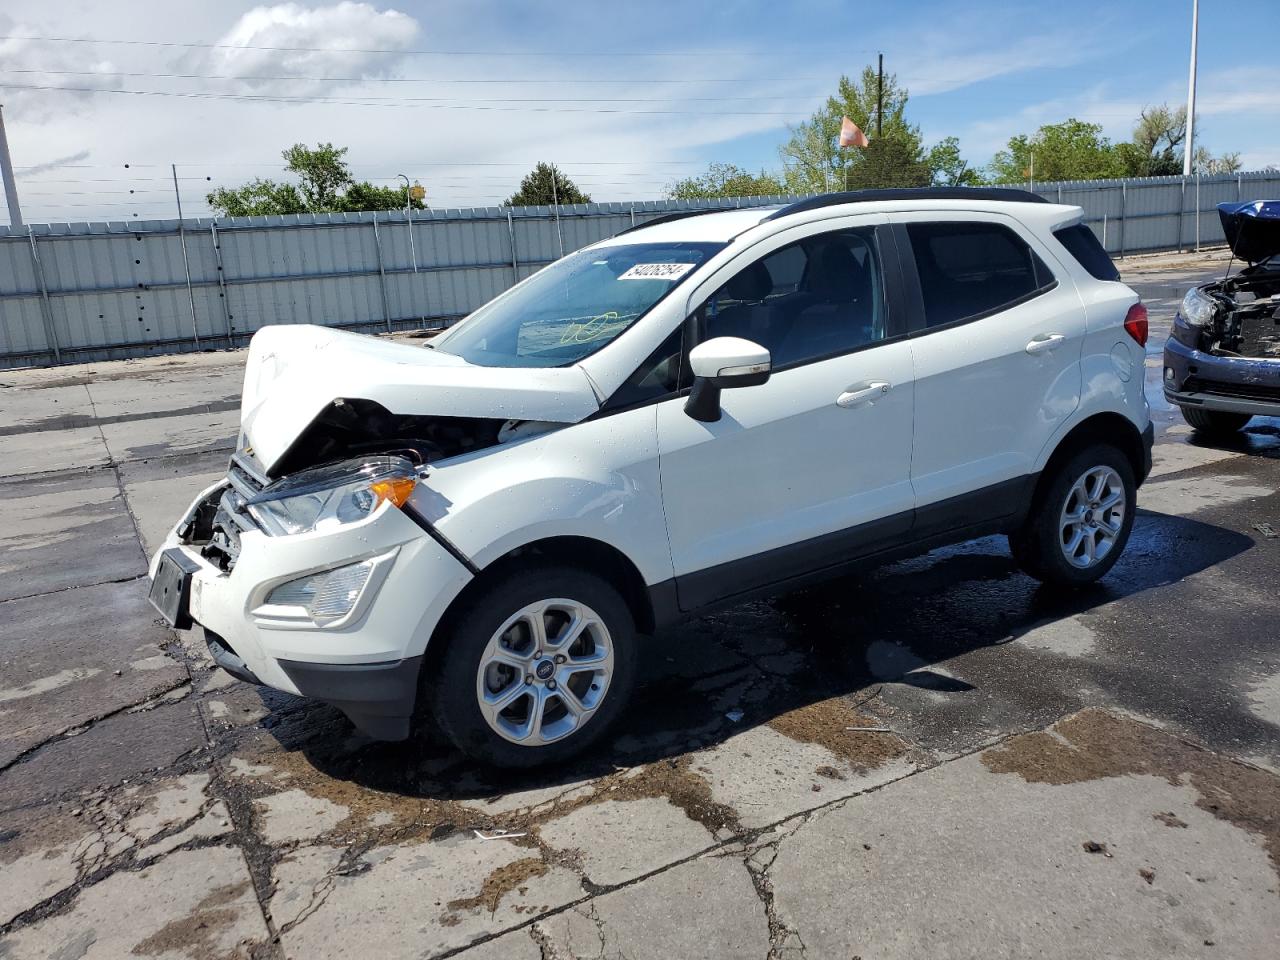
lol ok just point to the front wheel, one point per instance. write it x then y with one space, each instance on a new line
537 667
1080 522
1218 423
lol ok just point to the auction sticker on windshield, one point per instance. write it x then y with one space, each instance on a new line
657 271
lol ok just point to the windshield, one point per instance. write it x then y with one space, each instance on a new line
575 306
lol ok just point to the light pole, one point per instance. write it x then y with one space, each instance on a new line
408 212
6 170
1187 154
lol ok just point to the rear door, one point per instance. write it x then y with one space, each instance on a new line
813 466
996 332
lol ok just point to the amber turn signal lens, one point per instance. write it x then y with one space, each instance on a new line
395 489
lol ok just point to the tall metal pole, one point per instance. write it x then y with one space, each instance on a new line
6 168
555 199
1187 154
880 99
186 264
408 212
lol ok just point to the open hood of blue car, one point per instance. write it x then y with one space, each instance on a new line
1252 228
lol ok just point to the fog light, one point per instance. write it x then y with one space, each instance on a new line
326 596
1168 374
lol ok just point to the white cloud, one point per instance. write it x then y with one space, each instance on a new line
31 65
322 39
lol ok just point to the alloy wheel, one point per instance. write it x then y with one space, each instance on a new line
545 672
1092 517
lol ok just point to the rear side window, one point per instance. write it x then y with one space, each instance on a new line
1083 244
970 270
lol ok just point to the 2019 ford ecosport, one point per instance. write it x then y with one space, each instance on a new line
704 408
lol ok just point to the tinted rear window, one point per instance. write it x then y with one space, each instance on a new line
971 270
1082 244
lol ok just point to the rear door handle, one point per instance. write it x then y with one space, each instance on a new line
1045 343
861 393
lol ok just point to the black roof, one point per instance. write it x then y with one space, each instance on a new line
1005 194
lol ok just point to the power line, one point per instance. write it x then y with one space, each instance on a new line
484 80
421 103
407 53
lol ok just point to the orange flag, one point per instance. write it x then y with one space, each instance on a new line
850 135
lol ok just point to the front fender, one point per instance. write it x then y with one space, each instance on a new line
598 479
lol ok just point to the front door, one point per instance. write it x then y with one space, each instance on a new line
812 467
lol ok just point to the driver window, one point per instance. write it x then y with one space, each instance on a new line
817 298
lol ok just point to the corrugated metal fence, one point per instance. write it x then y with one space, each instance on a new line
91 291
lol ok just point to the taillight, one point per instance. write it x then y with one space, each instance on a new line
1135 323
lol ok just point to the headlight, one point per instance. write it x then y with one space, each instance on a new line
1197 309
337 493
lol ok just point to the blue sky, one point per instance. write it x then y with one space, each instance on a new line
626 97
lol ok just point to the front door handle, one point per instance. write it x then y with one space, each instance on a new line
1045 343
861 393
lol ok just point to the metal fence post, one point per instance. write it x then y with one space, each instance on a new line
186 265
1124 197
1182 212
222 283
382 274
1197 211
633 214
46 308
511 235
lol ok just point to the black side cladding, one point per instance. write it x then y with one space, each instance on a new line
353 427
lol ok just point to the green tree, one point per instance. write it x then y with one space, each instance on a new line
889 162
726 180
1071 150
325 185
257 198
322 171
948 169
1156 147
813 160
1202 161
544 185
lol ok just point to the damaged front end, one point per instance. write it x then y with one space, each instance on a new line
1223 353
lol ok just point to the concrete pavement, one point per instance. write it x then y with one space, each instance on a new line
940 758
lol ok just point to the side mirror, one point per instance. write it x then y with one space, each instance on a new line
720 364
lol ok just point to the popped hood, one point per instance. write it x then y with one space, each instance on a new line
295 371
1252 228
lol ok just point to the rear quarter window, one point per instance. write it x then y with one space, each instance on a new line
970 270
1083 244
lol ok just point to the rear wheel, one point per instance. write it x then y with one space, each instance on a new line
1214 422
537 667
1080 521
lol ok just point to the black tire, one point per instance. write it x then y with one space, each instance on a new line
1218 423
449 685
1038 546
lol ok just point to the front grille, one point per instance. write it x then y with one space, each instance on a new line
1235 391
231 519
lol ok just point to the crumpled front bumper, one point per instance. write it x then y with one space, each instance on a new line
367 664
1194 378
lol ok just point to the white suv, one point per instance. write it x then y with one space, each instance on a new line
704 408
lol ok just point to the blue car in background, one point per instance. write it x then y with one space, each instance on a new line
1222 359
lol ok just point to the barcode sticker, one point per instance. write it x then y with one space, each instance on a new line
657 271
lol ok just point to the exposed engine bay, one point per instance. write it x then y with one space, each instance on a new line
1246 318
347 430
350 428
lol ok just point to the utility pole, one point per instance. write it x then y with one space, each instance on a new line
880 99
6 168
1187 154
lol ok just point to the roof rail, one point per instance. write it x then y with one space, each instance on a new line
670 217
1006 194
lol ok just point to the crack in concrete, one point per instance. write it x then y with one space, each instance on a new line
93 721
